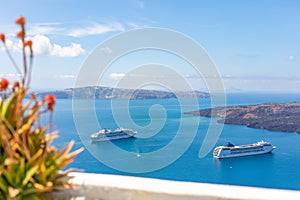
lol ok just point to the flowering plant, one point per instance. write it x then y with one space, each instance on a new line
29 164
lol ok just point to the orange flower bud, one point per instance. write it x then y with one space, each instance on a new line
50 100
28 43
53 149
20 34
3 84
15 85
20 20
2 37
26 127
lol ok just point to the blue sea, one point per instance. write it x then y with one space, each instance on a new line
177 160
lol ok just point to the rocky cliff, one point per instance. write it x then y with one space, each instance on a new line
283 117
112 93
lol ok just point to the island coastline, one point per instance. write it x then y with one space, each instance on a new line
283 117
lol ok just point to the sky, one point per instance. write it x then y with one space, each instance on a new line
255 44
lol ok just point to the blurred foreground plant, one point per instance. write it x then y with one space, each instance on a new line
29 165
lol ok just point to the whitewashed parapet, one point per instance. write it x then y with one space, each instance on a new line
115 187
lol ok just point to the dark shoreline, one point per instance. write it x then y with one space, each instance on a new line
284 117
97 92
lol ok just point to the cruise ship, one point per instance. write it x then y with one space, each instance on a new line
107 135
230 150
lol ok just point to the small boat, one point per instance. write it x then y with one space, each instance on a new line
107 135
230 150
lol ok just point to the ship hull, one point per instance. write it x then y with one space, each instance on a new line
111 138
240 151
243 154
108 135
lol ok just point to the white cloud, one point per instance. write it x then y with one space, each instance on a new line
135 25
74 29
65 76
44 29
96 29
291 58
68 51
116 76
11 75
42 45
106 50
12 46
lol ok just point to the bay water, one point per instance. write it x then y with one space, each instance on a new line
276 170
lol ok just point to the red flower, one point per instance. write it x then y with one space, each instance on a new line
20 34
50 100
20 20
2 37
16 84
3 84
28 43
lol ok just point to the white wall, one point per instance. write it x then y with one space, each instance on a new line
114 187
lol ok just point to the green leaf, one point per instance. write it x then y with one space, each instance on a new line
20 171
7 107
3 185
31 191
29 174
9 177
35 157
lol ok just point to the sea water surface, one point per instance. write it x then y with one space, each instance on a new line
277 170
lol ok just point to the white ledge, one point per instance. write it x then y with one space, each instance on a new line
106 187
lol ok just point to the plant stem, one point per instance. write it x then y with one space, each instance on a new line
24 56
30 69
12 60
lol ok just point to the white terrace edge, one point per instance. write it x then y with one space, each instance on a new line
105 187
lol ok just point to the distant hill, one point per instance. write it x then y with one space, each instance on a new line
114 93
283 117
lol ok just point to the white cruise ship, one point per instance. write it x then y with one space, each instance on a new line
230 150
106 134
